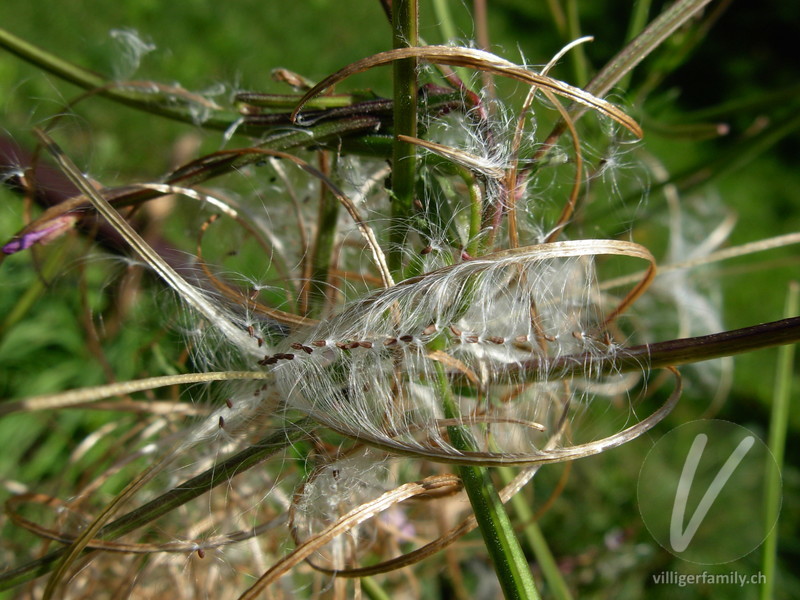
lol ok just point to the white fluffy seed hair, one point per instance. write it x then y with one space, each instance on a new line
377 370
336 487
370 371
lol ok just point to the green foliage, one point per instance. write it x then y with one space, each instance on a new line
696 82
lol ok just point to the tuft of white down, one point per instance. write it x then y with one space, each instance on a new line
370 372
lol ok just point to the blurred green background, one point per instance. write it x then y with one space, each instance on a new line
743 73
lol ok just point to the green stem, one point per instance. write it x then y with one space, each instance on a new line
372 590
638 21
327 218
164 104
559 18
405 34
641 10
537 542
447 28
498 534
93 82
52 266
475 211
444 20
779 423
580 64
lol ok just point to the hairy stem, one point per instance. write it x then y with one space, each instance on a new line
664 354
404 154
